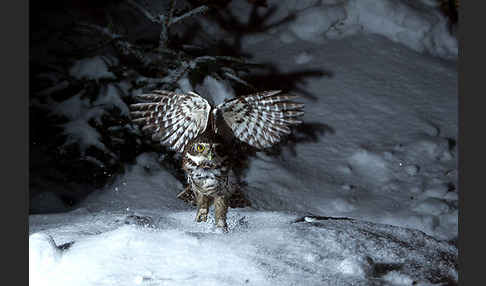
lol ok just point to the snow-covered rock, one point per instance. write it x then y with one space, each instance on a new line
262 248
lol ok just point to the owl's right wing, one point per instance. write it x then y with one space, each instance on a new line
173 118
261 119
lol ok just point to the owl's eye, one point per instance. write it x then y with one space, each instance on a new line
199 148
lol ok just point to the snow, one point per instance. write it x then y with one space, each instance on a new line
262 248
418 25
43 258
383 122
80 111
303 58
215 90
377 152
94 68
136 232
110 97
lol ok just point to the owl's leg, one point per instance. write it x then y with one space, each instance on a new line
220 210
202 202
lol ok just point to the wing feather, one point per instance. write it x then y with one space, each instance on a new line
172 118
263 118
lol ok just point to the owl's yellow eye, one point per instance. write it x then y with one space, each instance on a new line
199 148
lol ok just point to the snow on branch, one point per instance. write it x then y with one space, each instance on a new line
237 79
170 79
105 31
171 12
199 10
166 20
204 59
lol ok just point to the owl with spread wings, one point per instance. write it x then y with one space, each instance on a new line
188 124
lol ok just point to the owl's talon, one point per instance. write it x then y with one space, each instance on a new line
202 215
222 224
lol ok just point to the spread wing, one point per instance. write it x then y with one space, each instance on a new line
261 119
173 118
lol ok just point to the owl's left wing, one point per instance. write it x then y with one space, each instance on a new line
261 119
173 118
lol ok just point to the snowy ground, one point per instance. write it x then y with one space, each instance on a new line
381 151
137 233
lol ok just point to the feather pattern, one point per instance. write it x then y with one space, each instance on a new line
172 118
261 119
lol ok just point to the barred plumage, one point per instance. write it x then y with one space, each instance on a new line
172 118
259 119
187 123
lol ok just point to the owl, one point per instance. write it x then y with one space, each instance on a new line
204 134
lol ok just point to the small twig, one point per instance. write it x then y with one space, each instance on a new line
237 79
102 30
171 12
203 59
199 10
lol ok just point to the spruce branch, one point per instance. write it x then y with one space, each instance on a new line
234 77
171 13
199 10
145 12
104 31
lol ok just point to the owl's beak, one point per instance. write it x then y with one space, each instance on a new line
210 155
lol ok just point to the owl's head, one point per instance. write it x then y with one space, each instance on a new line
206 148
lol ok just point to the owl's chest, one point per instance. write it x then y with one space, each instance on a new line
206 176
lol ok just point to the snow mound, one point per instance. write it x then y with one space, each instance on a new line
94 68
44 256
262 248
145 186
371 165
419 25
411 23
